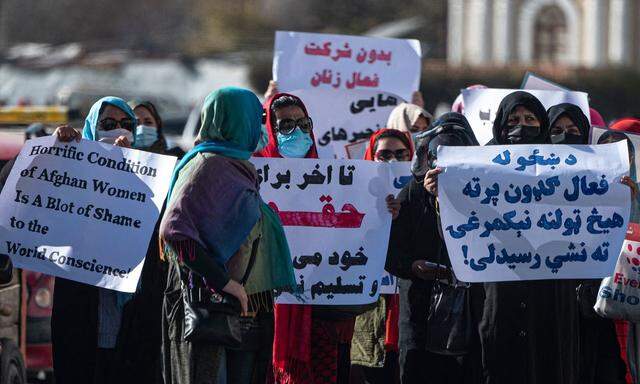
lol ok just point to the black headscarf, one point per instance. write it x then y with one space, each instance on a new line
450 129
508 105
575 114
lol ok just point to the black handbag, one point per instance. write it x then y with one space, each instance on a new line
449 322
449 325
215 317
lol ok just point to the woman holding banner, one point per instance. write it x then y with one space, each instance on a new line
417 255
599 348
86 320
527 330
311 343
374 348
217 234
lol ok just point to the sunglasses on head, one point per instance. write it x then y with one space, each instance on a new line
387 154
287 126
109 124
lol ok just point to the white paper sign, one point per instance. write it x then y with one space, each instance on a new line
481 106
341 118
340 62
603 136
533 81
337 224
83 211
530 212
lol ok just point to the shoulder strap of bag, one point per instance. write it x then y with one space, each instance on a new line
252 260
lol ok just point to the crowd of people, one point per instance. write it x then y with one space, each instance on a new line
217 239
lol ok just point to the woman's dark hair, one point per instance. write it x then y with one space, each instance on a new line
281 102
615 136
394 134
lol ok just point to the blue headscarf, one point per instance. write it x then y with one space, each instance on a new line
91 122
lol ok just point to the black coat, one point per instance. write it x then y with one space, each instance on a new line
415 235
74 327
530 332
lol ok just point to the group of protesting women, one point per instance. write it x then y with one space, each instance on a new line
218 239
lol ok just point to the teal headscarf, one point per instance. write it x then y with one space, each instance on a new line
231 120
89 133
91 122
231 126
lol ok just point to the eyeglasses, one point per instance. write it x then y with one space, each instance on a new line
108 124
387 155
287 126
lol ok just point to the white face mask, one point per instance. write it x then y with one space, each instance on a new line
110 137
145 136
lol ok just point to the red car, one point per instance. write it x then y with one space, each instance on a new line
26 297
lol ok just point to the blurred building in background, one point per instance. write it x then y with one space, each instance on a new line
585 33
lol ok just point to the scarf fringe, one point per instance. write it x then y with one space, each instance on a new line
178 250
295 372
261 302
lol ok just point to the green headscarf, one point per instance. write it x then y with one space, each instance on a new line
231 117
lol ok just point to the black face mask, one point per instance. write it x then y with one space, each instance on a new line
567 138
521 134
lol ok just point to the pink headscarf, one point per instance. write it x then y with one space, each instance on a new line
596 118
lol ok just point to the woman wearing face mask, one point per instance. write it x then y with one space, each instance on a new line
311 343
215 220
289 128
535 318
148 132
140 335
568 124
86 320
540 317
374 348
415 248
599 348
409 118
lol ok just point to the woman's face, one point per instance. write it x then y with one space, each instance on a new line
113 118
389 149
522 116
565 125
420 125
145 117
292 112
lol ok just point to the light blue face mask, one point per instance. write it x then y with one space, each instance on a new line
264 138
145 136
295 145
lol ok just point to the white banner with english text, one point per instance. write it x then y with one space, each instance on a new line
83 211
